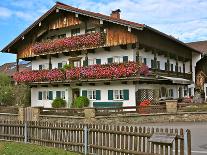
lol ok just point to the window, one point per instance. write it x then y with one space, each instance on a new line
61 64
158 65
77 63
91 30
118 94
60 94
44 66
45 95
163 92
75 32
91 61
185 91
190 91
145 61
51 37
166 66
170 93
171 68
91 94
180 69
152 63
118 59
61 36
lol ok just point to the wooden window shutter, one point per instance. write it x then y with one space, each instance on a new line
40 67
110 60
126 94
110 94
60 65
58 94
84 93
98 94
125 58
152 63
145 61
85 63
50 95
98 61
39 95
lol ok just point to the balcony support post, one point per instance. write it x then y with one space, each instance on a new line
17 62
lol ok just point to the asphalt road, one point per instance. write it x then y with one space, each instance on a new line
198 132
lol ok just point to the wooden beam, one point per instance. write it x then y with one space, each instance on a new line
56 55
43 56
107 48
66 53
123 47
107 83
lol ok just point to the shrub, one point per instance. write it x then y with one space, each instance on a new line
81 102
58 103
67 66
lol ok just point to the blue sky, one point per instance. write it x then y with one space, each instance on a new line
183 19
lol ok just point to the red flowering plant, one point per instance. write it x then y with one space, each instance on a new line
75 42
39 76
107 71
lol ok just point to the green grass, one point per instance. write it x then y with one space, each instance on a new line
15 148
196 108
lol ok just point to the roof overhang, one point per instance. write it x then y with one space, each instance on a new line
176 80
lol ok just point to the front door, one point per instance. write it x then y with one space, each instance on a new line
76 93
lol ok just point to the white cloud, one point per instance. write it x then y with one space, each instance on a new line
4 12
186 20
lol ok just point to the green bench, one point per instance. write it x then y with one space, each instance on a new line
107 104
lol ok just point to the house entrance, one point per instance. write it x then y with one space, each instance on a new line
75 93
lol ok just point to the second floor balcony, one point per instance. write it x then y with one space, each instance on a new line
93 72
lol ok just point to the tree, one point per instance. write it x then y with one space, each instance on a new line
6 90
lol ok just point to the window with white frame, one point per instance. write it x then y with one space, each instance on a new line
91 94
77 63
118 94
91 61
60 94
44 66
170 93
118 59
45 95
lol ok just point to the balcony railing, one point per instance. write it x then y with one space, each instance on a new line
107 71
72 43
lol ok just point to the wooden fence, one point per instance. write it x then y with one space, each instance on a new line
95 139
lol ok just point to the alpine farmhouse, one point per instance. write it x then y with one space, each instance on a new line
114 62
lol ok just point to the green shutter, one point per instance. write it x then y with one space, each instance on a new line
110 60
110 94
125 58
39 95
145 61
98 61
85 63
126 94
98 95
60 65
152 64
58 94
50 95
40 67
84 93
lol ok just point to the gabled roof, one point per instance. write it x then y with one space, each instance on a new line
62 6
199 45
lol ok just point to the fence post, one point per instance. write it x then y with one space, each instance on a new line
85 140
188 141
25 131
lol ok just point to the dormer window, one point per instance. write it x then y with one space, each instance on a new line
75 32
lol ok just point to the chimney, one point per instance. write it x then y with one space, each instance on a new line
116 14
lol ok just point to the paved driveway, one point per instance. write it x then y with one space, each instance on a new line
198 132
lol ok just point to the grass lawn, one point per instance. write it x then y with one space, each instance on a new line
13 148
